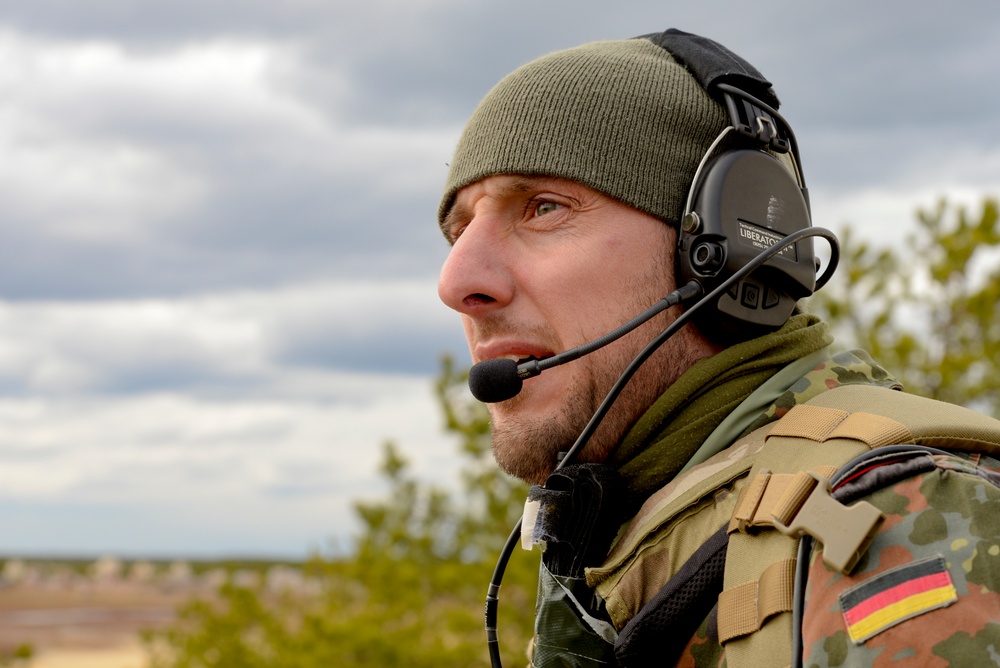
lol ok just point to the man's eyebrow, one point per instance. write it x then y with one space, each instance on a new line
521 184
458 213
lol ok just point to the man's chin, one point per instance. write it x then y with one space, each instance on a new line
526 466
527 439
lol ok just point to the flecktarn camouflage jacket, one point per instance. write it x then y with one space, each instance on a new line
925 592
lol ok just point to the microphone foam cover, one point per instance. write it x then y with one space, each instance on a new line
495 380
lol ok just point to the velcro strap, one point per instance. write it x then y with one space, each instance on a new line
748 501
769 494
811 422
743 609
795 494
821 424
872 430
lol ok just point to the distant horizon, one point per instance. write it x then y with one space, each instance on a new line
129 559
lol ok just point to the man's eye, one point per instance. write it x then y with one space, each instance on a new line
543 208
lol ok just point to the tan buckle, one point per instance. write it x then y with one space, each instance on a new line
845 531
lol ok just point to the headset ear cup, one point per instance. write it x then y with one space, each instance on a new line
743 203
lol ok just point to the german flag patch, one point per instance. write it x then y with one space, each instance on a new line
895 596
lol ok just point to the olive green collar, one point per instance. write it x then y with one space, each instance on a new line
675 427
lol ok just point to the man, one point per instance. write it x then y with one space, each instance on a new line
563 206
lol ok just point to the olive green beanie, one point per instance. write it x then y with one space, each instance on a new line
622 117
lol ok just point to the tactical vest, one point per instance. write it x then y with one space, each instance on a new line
747 520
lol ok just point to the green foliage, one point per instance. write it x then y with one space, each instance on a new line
927 308
412 593
19 656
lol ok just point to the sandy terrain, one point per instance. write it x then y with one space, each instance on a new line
83 627
91 615
128 655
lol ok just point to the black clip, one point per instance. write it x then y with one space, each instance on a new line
752 121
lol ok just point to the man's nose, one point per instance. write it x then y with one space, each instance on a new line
476 278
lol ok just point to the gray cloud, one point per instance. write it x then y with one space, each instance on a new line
237 345
297 168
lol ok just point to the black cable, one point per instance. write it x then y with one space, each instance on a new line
673 299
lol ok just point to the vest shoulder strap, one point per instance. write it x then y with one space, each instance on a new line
930 423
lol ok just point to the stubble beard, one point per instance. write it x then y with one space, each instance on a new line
529 449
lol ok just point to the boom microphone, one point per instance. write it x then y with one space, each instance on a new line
495 380
500 379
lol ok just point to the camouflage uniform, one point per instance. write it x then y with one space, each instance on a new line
924 594
927 593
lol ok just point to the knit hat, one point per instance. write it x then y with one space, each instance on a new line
622 117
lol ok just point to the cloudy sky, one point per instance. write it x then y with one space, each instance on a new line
218 252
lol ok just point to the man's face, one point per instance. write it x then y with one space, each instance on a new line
542 265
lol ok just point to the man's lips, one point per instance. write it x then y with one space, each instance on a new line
516 350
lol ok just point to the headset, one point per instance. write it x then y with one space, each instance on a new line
744 252
743 199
